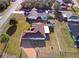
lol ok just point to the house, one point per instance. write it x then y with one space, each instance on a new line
60 1
74 18
68 1
74 30
63 7
39 31
66 15
34 15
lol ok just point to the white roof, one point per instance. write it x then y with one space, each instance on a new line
18 12
46 28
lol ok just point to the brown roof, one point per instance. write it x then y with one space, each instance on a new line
37 27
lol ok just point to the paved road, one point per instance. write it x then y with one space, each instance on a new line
9 12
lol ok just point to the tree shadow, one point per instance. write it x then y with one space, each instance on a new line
11 30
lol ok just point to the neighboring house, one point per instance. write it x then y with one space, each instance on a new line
63 7
60 1
34 15
67 1
74 18
66 15
39 31
74 30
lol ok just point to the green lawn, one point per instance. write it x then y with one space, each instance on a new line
66 41
68 36
14 42
74 10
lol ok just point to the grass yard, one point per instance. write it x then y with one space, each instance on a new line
65 39
74 10
66 42
51 48
14 42
68 36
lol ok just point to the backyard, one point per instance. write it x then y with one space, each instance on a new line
13 47
65 40
50 49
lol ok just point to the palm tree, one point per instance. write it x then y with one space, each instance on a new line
4 38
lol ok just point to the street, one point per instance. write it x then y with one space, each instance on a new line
9 12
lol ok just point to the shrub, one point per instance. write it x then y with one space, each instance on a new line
13 21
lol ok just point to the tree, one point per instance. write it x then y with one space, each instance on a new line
13 21
50 2
36 5
27 4
4 4
39 4
4 38
56 6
